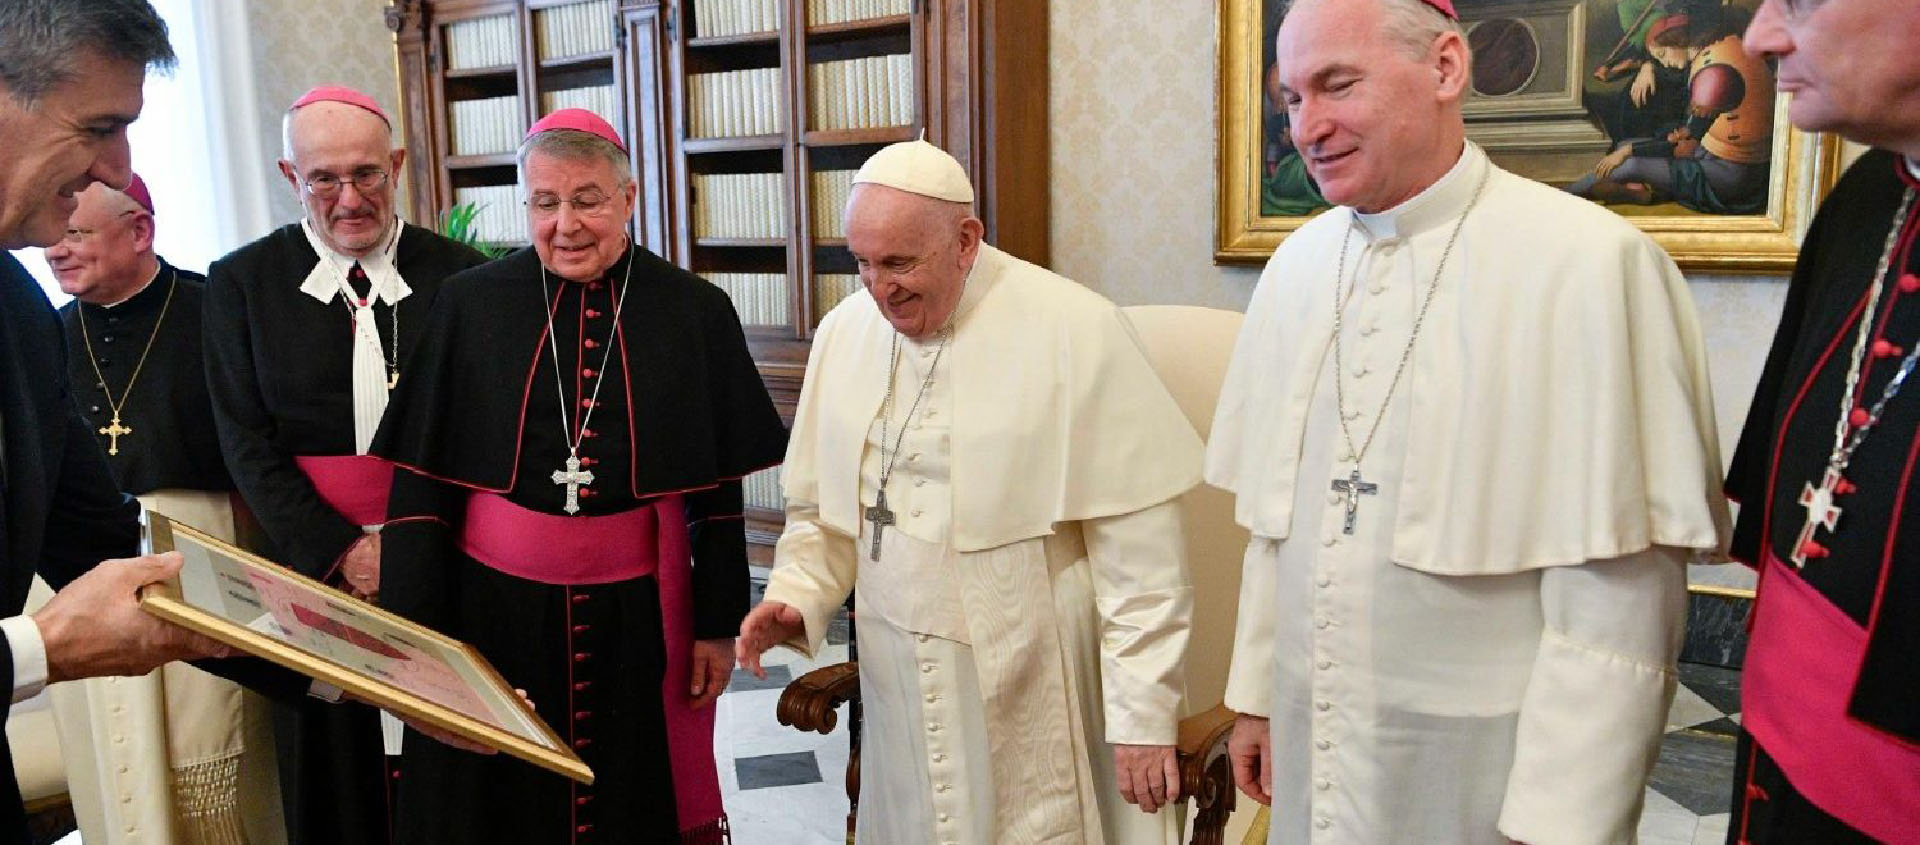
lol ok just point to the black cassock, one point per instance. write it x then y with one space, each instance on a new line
173 445
279 367
679 414
1833 666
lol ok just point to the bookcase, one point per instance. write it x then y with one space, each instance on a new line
746 120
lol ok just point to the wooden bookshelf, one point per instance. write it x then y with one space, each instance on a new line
977 88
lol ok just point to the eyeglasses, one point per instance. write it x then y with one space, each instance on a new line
78 235
585 204
326 186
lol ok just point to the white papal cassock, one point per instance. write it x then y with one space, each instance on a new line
1031 604
175 756
1490 653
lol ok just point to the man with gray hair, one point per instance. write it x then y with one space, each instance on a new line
571 438
70 82
307 329
1473 472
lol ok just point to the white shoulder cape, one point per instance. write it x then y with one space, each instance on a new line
1559 387
1057 414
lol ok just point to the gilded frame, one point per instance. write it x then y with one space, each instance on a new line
534 742
1804 168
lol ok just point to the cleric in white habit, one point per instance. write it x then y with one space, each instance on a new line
982 449
1469 427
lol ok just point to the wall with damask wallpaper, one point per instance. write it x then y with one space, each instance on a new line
1134 128
298 44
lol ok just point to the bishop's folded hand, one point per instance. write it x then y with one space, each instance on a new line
770 624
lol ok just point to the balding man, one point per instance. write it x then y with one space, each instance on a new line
203 770
1468 425
572 439
982 450
307 329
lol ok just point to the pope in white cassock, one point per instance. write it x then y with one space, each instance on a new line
1469 426
982 449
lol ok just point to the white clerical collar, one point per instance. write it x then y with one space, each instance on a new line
329 274
1913 167
1441 202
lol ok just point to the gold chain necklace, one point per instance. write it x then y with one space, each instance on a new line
1353 486
115 430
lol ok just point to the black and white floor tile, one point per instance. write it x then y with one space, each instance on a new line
783 786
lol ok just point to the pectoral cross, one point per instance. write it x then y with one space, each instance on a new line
1818 502
113 431
881 517
574 477
1353 487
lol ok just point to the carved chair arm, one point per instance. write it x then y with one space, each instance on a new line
1206 775
808 703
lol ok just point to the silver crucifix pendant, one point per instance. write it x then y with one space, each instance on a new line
881 517
1354 488
574 477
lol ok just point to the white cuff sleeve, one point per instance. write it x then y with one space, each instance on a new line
1591 722
29 656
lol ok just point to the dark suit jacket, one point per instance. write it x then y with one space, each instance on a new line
49 457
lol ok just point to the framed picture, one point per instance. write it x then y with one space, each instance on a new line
1647 106
269 611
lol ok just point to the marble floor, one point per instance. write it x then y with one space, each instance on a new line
782 786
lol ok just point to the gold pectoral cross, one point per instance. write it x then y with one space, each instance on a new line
113 431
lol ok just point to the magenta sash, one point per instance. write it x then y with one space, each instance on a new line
355 485
553 549
579 550
1803 657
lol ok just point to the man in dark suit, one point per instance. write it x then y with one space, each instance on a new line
70 82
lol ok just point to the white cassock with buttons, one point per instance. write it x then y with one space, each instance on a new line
1002 647
1489 653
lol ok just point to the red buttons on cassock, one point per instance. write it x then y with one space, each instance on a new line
590 343
579 598
581 629
1883 349
1909 283
1812 549
583 829
1858 417
1843 487
582 742
586 372
586 493
588 432
582 715
582 686
587 462
593 313
583 800
581 656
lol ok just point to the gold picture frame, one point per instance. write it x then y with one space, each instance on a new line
269 611
1803 166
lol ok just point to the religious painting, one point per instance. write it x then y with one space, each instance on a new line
272 612
1649 107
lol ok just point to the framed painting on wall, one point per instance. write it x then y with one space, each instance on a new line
1650 107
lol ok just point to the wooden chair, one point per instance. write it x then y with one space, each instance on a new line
1189 348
